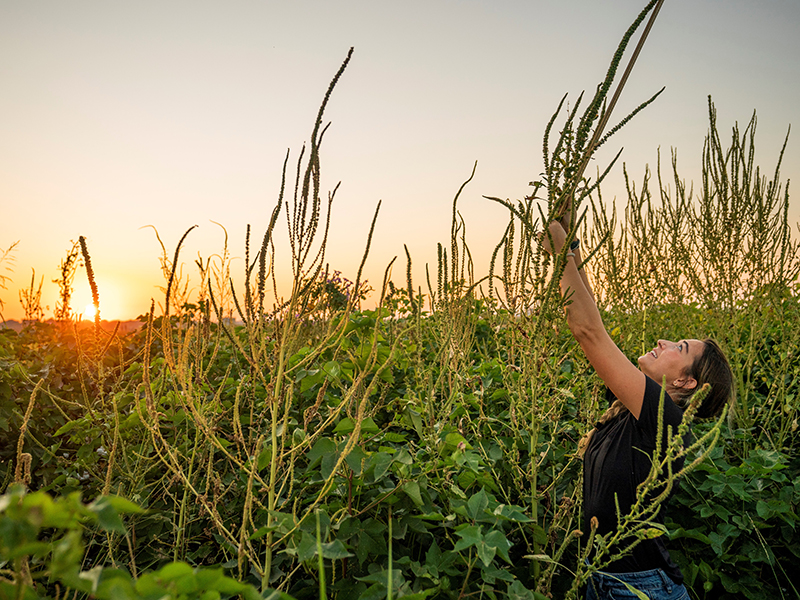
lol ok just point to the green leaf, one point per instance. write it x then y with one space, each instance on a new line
92 576
174 571
382 461
310 379
382 577
149 585
422 595
335 550
66 427
652 533
11 590
67 554
116 585
307 548
323 447
638 593
333 370
328 464
366 538
477 504
411 489
485 553
509 512
107 516
517 591
416 421
491 573
386 375
453 439
369 426
124 506
356 459
261 532
345 426
539 534
433 555
498 540
470 536
403 457
213 579
263 459
29 548
270 594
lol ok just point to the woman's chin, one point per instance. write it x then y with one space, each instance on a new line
644 363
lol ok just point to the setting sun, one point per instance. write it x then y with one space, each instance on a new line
112 305
88 313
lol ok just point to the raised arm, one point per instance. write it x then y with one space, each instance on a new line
566 223
578 260
624 380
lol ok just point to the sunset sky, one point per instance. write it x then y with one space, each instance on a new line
116 116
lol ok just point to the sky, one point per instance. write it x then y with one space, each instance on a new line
118 120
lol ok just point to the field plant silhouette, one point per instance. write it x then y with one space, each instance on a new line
66 276
7 265
271 443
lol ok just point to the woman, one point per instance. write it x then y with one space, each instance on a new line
618 454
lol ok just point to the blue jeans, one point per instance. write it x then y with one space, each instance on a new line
655 584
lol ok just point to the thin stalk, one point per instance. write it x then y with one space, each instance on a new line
389 583
320 562
178 552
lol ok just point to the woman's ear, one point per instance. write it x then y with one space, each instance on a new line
688 383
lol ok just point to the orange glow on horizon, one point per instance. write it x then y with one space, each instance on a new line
88 313
111 306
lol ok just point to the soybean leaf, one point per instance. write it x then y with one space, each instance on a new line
381 461
369 426
307 548
356 459
123 505
485 552
68 426
508 512
261 532
345 426
335 550
366 538
539 534
499 541
477 504
411 489
323 447
107 516
470 536
492 573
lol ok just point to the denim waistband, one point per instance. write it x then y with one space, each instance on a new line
654 580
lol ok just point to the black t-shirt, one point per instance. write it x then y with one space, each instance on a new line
616 461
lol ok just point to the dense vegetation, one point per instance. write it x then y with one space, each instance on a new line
424 448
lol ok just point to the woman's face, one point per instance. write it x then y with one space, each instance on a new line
672 360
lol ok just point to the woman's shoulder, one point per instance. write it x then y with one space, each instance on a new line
653 392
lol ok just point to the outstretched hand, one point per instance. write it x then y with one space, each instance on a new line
558 236
566 213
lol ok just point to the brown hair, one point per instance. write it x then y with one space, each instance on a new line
710 367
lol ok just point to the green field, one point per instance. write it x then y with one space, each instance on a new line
271 443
